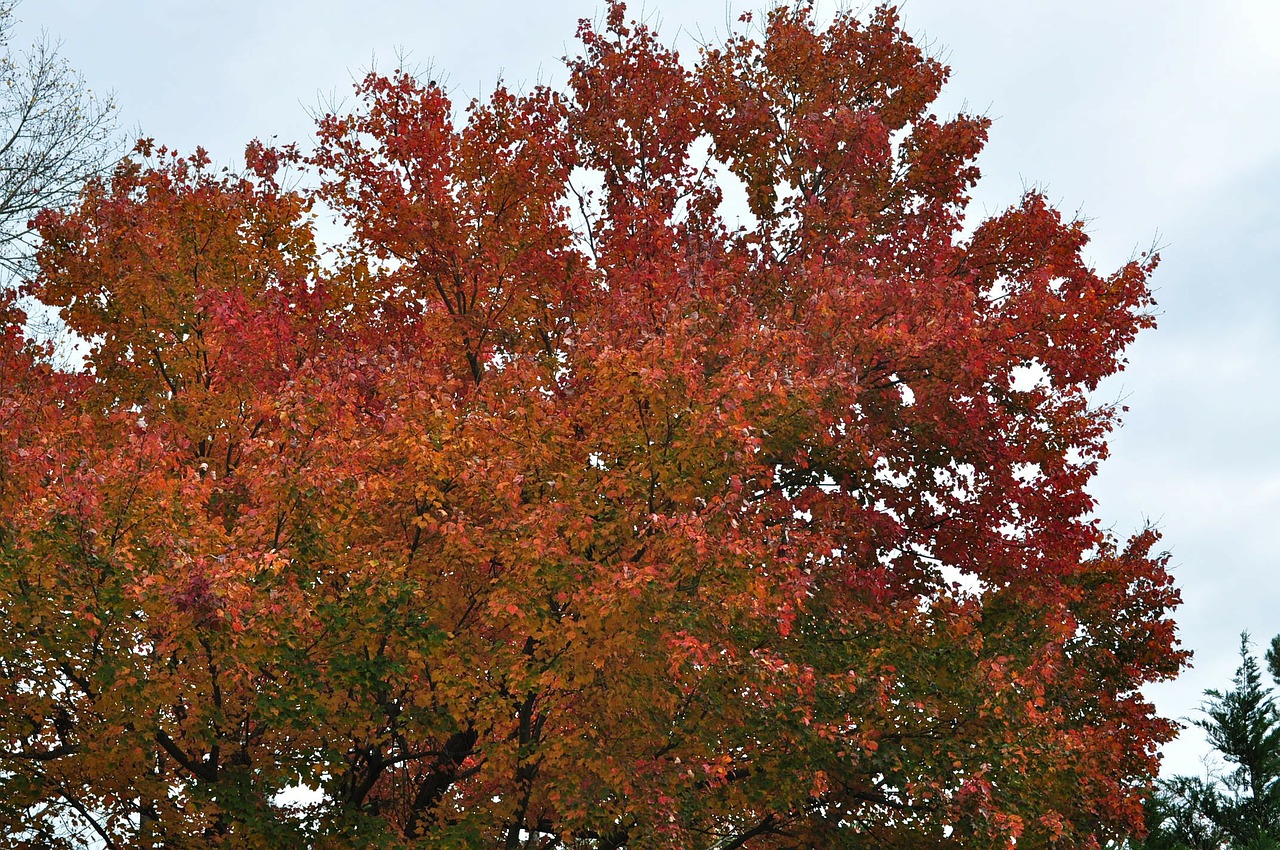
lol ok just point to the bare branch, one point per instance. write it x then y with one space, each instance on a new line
55 134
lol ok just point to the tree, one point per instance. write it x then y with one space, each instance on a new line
54 134
1240 809
494 532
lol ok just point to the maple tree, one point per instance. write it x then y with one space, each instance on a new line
540 516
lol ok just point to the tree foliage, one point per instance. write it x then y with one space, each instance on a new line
541 516
1241 807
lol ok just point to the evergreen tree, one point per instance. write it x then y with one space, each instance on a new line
1240 808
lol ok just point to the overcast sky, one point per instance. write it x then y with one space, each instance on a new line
1157 120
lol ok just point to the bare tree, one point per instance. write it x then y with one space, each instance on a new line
54 134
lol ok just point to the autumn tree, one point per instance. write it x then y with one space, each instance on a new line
548 516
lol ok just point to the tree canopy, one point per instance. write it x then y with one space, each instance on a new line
551 509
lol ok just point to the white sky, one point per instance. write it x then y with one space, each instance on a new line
1159 120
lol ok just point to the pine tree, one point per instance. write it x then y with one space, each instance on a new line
1238 809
